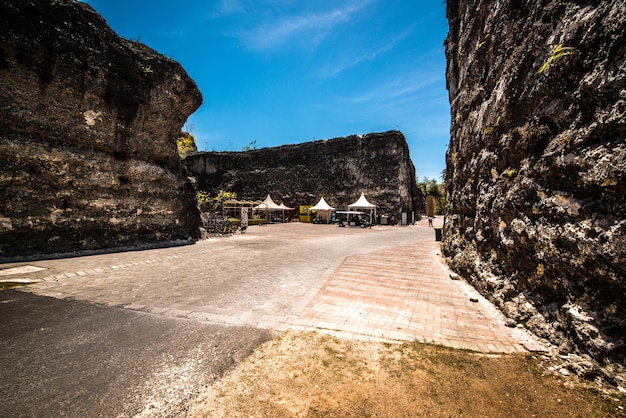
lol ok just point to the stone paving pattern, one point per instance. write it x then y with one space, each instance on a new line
381 284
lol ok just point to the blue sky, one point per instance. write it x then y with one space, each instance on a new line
290 71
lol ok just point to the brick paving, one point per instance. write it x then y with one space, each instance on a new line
401 294
380 284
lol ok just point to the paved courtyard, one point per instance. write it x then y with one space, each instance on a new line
383 284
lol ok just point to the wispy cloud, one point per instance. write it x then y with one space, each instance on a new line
397 87
352 59
228 8
308 29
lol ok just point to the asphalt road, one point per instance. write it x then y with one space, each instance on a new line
71 358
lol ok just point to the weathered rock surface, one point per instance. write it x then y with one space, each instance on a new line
537 167
88 126
339 169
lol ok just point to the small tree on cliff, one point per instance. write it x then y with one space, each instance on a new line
250 146
186 144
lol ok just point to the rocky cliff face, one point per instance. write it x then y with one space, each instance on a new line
339 169
88 123
537 168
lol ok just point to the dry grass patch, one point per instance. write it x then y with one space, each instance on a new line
300 374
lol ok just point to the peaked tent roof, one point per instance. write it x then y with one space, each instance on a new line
285 207
268 204
362 203
322 205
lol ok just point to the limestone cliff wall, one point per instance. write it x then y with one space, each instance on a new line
537 167
339 169
88 123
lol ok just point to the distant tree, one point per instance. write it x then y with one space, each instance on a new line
431 187
435 196
441 205
186 144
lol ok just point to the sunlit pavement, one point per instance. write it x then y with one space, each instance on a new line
387 283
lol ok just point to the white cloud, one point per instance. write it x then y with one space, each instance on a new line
309 29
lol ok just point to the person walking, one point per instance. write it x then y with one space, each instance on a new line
430 221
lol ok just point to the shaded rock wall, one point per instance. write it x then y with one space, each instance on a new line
339 169
537 167
88 123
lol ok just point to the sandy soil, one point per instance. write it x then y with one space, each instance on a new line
305 374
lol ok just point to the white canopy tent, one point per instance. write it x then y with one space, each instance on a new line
363 204
284 208
324 207
268 205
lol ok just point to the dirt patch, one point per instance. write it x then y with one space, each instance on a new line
305 374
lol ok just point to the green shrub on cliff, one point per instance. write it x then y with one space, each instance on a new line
224 195
203 201
186 144
558 52
214 205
